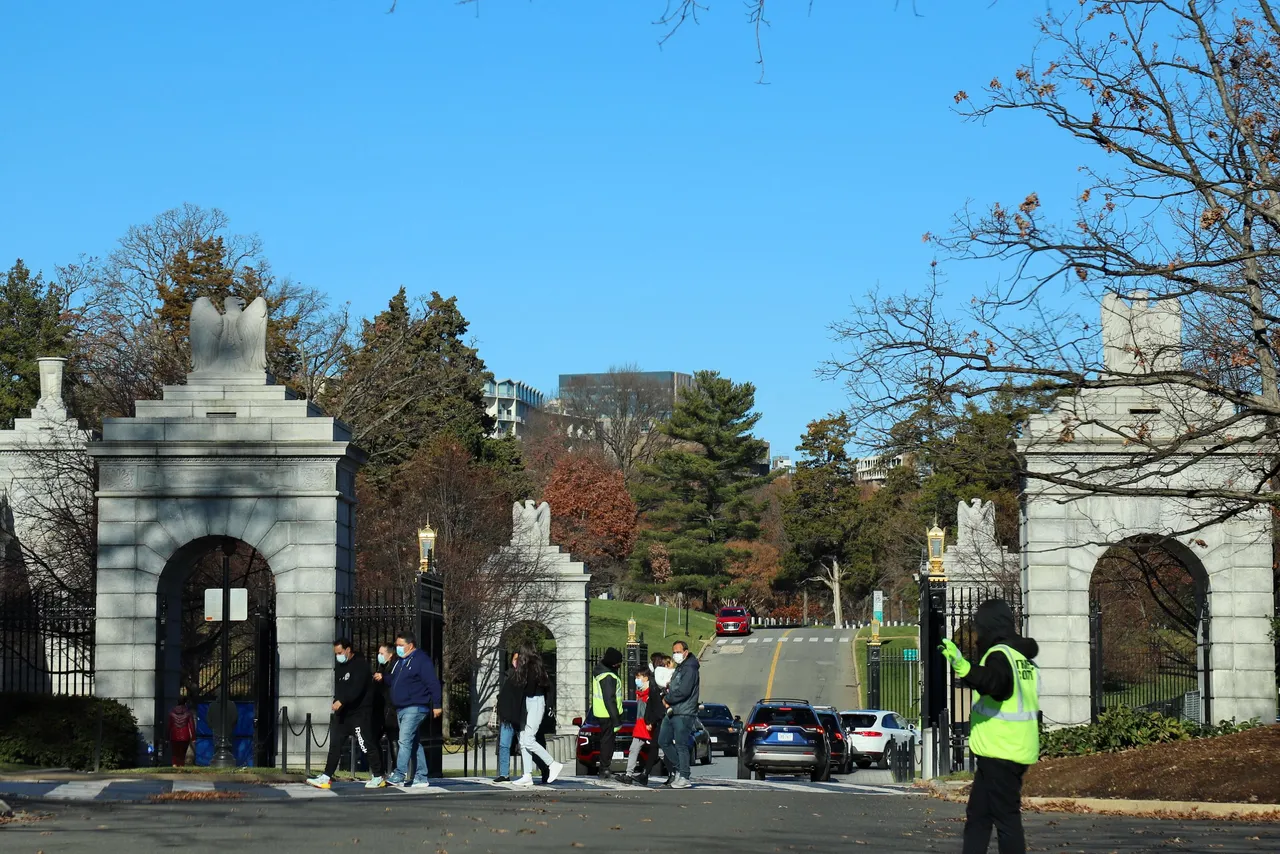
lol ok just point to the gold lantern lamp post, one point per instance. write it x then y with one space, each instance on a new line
426 548
937 550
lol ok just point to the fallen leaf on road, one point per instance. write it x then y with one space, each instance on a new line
578 845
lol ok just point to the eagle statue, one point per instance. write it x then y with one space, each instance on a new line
234 342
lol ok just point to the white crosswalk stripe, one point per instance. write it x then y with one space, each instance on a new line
81 790
770 640
302 790
737 640
845 640
813 640
829 640
753 640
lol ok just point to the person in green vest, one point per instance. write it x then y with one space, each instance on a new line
606 706
1004 726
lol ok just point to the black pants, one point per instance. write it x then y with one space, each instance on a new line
995 799
608 742
361 729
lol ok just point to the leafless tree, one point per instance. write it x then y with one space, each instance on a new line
627 405
1178 100
51 521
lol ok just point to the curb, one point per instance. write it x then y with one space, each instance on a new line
5 810
1157 809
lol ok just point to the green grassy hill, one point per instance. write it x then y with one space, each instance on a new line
609 625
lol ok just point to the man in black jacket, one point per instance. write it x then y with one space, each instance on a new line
353 700
1004 736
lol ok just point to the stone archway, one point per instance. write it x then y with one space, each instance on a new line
188 662
225 456
1149 629
1067 528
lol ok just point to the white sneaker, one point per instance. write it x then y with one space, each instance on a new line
375 783
421 784
681 783
320 781
554 771
525 782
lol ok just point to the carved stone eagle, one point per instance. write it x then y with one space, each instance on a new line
230 343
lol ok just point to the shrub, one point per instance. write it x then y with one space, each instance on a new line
53 731
1123 728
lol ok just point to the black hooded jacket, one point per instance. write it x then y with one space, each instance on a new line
351 687
994 624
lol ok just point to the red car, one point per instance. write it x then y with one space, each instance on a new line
733 621
589 743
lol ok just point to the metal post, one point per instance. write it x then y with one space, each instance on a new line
284 738
805 621
1095 661
223 754
306 737
873 673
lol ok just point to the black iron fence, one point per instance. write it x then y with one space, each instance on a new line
46 643
900 682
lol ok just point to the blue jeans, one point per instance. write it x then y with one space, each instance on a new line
409 718
673 738
506 735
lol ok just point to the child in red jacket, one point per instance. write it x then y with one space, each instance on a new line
640 733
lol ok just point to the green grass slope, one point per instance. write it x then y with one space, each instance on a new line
609 625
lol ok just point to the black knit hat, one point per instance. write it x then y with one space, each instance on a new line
611 658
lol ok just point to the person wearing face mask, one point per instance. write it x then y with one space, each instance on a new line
352 716
663 669
641 735
606 706
384 712
415 692
681 701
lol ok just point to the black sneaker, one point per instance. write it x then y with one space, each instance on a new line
502 779
670 779
640 780
606 775
626 779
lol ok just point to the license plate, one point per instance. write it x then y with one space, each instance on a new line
715 739
786 736
619 755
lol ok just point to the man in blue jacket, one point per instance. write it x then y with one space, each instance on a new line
681 701
415 693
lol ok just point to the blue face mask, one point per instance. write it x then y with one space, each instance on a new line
641 684
342 659
382 659
400 651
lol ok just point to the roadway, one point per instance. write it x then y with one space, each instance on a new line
814 664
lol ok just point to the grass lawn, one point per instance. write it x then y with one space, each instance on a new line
896 689
609 625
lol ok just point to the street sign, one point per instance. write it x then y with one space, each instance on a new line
877 606
911 655
213 604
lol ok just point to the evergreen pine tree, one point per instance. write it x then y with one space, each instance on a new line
31 325
695 494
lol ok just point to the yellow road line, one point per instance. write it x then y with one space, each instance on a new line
773 668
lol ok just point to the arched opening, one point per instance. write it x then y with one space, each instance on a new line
1149 629
188 648
538 636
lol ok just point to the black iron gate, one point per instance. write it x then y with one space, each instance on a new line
1152 675
947 611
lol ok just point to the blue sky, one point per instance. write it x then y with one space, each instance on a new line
591 198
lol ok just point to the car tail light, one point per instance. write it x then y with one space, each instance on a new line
839 736
869 733
757 727
582 741
816 730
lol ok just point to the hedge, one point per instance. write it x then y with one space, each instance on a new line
54 731
1123 728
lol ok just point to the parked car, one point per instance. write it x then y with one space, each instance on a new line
870 733
841 761
721 726
785 737
588 754
733 621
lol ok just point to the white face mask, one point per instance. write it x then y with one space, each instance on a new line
677 657
382 659
342 659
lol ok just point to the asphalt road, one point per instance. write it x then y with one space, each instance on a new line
805 664
698 822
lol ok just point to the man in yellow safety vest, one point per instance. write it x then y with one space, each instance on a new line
1004 726
606 706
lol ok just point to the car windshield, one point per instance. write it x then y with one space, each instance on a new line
785 715
733 612
858 721
713 712
830 722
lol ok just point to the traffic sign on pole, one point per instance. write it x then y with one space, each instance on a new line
213 604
